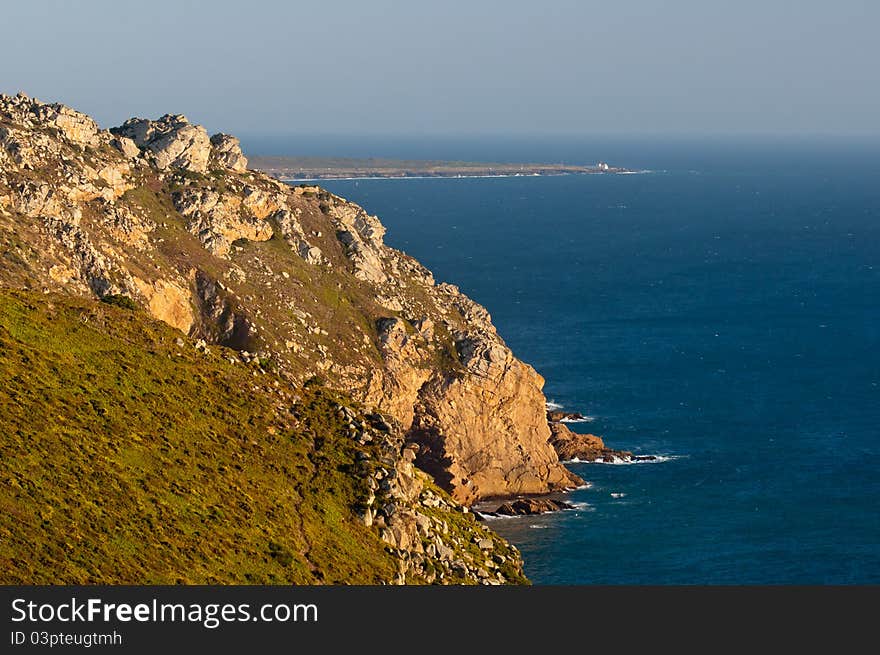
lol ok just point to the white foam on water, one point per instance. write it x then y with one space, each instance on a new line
497 517
617 461
553 405
585 419
658 459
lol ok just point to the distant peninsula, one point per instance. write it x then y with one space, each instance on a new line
331 168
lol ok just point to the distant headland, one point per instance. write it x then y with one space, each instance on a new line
331 168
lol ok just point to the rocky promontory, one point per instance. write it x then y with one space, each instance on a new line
293 282
162 212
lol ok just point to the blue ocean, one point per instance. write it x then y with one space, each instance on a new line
721 310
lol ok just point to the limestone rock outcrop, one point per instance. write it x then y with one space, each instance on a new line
293 233
219 219
75 126
126 146
227 152
169 302
174 142
361 235
172 139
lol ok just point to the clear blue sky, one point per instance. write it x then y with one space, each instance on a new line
385 66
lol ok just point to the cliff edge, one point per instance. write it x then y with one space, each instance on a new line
295 279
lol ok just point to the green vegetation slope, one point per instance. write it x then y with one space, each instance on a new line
131 456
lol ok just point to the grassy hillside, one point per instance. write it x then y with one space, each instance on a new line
129 456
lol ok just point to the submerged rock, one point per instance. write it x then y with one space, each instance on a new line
527 506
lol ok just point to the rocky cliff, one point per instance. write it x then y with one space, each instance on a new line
294 278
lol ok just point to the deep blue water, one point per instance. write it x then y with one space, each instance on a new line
724 311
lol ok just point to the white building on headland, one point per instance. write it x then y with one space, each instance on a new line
602 166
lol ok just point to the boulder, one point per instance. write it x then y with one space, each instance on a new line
75 127
226 152
587 447
173 140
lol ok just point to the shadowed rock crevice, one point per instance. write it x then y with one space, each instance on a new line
220 321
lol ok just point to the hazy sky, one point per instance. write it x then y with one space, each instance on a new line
380 66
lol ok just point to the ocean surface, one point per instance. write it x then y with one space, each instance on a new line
721 310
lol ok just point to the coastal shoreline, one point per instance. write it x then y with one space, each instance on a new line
294 180
571 448
308 169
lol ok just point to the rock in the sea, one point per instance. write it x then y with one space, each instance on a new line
557 415
587 447
526 506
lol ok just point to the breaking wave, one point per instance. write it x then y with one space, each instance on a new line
496 517
585 419
619 461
